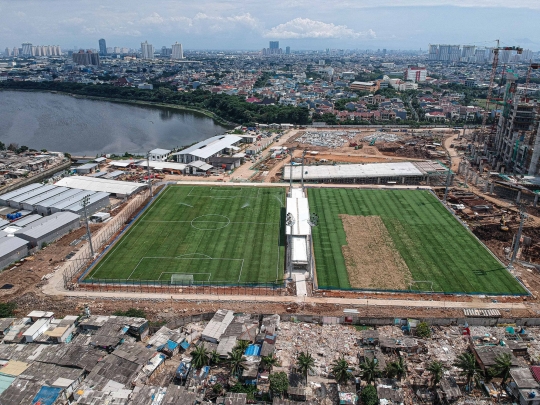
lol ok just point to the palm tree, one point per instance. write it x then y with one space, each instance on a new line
236 361
340 369
214 357
269 361
200 356
370 370
396 369
436 370
241 346
305 363
467 363
503 363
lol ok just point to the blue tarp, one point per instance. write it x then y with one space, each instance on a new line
171 345
184 345
253 350
47 396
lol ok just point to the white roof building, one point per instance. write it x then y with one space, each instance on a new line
115 187
210 147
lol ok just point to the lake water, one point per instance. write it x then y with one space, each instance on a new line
86 127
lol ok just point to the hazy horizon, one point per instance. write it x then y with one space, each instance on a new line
249 25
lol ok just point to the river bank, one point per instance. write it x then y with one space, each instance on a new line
219 120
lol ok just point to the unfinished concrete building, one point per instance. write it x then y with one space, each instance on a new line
516 147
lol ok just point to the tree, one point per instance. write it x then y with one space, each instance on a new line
236 361
370 370
503 364
279 383
369 395
305 363
199 357
467 363
436 370
6 309
423 330
269 361
13 146
341 370
214 357
241 346
396 369
2 146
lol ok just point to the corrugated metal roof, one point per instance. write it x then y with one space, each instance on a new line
210 146
76 207
48 224
482 312
163 165
46 195
159 151
27 220
299 209
60 197
5 382
9 244
369 170
66 202
20 191
33 193
105 185
87 166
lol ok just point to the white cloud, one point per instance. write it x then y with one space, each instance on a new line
306 28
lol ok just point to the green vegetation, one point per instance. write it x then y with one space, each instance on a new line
279 383
262 81
369 395
230 108
341 370
469 369
440 253
305 363
7 309
435 368
206 234
370 370
132 312
423 330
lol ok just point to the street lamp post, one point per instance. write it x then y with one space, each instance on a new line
303 157
84 202
523 216
290 221
291 152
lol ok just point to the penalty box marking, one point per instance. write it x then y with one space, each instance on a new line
187 258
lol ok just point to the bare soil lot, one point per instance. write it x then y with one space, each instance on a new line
371 258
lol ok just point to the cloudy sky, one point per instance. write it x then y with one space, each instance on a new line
250 24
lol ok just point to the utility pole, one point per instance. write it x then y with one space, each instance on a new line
84 202
303 157
148 170
523 216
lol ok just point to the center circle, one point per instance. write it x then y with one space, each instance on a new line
210 222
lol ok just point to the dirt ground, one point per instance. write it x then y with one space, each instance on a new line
372 259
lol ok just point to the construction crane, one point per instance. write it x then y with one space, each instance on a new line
492 76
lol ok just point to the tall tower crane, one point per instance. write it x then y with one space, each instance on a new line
492 76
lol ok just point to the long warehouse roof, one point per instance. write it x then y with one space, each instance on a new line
71 200
10 243
48 224
32 193
92 199
210 146
95 184
298 207
20 191
60 197
369 170
44 196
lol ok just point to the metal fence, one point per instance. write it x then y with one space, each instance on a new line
99 240
167 287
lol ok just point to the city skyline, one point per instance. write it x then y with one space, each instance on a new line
229 25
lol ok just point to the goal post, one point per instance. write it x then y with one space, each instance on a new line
183 279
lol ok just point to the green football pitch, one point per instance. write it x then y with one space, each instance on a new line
202 234
440 253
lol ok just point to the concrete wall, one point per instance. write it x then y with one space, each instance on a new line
13 257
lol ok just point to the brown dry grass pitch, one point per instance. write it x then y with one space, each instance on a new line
371 257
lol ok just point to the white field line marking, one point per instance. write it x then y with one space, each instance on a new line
241 268
190 206
124 237
221 222
191 254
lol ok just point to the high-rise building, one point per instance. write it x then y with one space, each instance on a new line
166 52
416 74
102 47
26 49
177 52
274 44
7 52
288 50
147 50
15 51
86 58
433 52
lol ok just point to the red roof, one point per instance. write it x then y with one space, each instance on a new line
535 370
